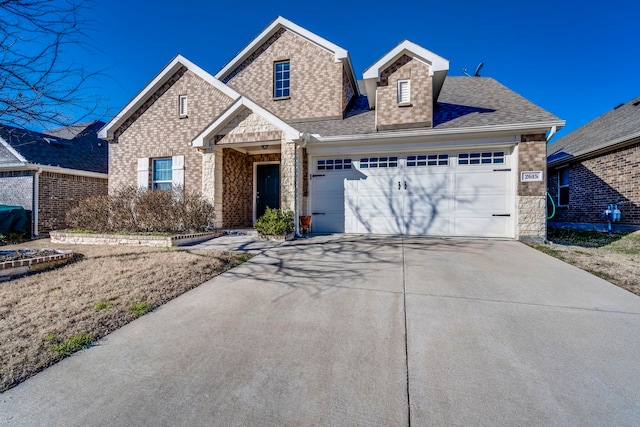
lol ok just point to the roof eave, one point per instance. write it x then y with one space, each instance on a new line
290 133
107 132
338 52
615 144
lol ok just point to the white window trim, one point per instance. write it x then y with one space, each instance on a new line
153 181
183 105
401 100
567 185
284 61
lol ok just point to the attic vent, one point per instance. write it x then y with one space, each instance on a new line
52 141
635 104
615 108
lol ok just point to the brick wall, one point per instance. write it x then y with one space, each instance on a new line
389 115
531 196
156 130
59 192
316 78
599 181
16 189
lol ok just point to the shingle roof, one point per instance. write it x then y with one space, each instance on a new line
84 151
613 127
464 102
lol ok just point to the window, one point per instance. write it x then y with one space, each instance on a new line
486 158
378 162
334 164
563 187
428 160
404 91
182 105
281 80
161 174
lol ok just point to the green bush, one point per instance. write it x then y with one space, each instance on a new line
275 222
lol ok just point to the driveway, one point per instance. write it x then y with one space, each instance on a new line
353 330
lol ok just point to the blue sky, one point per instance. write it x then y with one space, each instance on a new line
573 59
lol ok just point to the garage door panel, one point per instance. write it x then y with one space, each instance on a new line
481 181
420 225
488 226
377 225
496 203
379 205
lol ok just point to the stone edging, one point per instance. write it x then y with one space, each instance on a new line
22 266
131 239
275 238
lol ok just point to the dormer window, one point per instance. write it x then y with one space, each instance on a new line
404 92
182 105
281 79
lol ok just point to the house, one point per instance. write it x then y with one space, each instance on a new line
286 123
596 165
49 173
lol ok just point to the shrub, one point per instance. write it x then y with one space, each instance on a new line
275 222
133 211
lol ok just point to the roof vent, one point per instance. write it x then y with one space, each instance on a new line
635 104
615 108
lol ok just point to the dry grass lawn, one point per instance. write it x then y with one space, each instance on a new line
47 316
615 258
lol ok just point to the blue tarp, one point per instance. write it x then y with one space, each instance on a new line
14 219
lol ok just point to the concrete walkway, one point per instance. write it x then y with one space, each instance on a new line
352 330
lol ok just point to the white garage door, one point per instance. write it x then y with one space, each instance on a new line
466 193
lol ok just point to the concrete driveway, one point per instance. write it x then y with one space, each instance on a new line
352 330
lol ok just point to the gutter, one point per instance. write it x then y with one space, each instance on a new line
395 135
57 169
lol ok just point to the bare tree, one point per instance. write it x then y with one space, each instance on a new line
39 85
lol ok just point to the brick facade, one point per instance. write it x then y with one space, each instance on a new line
317 88
419 112
531 196
60 192
594 183
16 189
157 130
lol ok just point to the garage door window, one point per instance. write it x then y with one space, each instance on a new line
495 157
378 162
333 164
428 160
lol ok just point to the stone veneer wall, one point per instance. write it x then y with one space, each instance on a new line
316 78
389 114
16 189
58 193
531 196
594 183
157 130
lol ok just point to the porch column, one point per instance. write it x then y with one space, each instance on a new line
212 181
532 196
287 175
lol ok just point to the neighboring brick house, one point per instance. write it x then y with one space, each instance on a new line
286 123
596 165
49 173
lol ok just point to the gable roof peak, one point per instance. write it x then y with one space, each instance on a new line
340 54
178 61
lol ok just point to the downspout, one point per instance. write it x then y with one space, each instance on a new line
304 139
36 195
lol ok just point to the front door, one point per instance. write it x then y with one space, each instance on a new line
267 188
